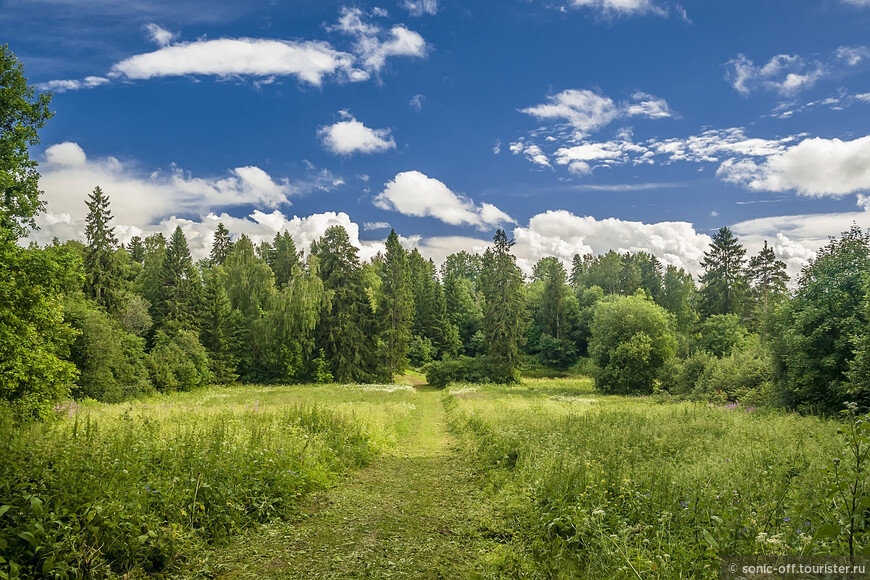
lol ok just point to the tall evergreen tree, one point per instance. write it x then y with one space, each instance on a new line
136 249
179 294
221 245
504 319
340 334
551 315
723 285
284 260
398 306
767 279
217 328
102 275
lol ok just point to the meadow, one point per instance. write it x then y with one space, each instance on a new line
570 483
139 487
592 486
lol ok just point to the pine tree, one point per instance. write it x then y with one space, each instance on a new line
723 285
221 246
101 270
551 315
504 309
398 307
284 260
136 250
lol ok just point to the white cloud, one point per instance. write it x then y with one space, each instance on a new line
785 74
367 226
620 7
713 145
421 7
68 176
814 167
496 148
62 86
860 3
415 194
310 61
588 111
349 136
372 45
416 102
159 35
563 234
852 55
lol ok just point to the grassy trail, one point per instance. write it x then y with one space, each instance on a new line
414 513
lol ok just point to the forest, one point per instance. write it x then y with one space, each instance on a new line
109 321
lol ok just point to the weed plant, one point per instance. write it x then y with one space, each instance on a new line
611 487
137 488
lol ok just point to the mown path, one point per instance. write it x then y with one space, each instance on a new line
415 513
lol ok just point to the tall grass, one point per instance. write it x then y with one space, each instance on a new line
609 487
137 488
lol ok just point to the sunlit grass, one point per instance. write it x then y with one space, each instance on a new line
610 487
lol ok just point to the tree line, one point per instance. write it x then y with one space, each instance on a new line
108 321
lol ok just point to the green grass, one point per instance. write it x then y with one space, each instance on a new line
139 487
590 486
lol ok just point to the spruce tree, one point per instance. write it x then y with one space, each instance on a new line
723 285
398 306
179 294
504 309
221 245
284 260
136 249
101 270
217 328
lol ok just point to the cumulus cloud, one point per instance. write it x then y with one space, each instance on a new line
415 194
563 234
69 175
159 35
349 136
785 74
421 7
62 86
814 167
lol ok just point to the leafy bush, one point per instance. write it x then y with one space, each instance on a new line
179 364
420 351
632 338
682 376
110 360
556 353
745 375
464 369
722 333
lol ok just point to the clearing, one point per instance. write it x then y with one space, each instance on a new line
413 513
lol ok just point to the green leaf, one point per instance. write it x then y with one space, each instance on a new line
4 509
709 538
827 531
28 537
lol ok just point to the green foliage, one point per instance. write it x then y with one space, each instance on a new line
179 293
607 487
102 271
463 369
768 282
420 351
686 376
820 323
722 333
631 339
179 363
136 489
283 258
217 326
398 306
679 296
111 362
723 286
221 245
744 376
34 339
504 310
22 115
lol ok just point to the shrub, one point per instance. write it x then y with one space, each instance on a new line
179 364
722 333
743 376
464 369
632 338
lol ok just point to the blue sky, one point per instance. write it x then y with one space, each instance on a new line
577 125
